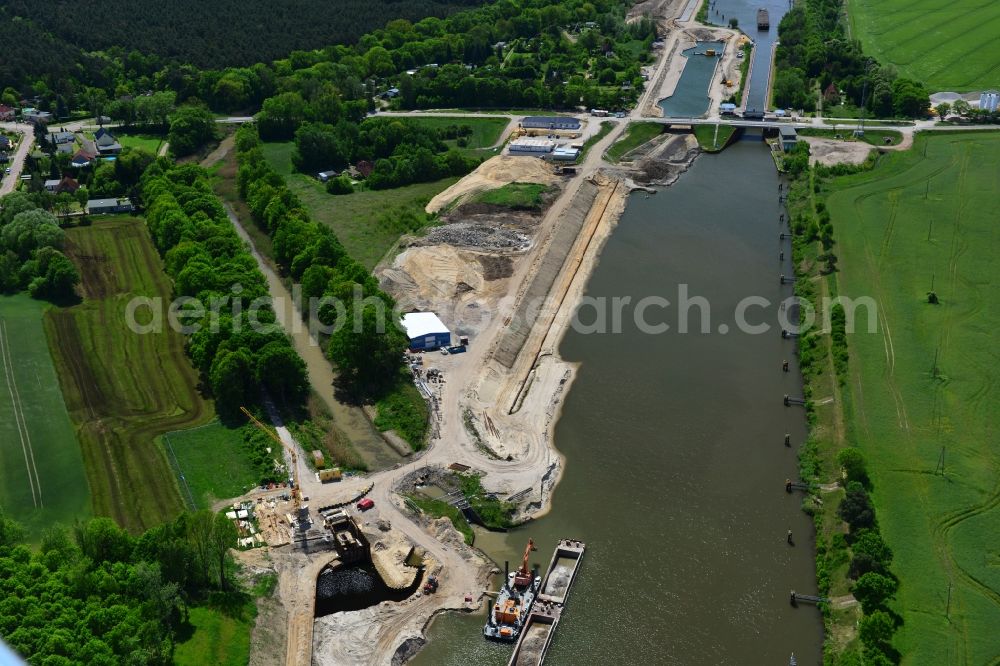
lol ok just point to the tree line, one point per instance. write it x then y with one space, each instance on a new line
814 51
94 594
207 260
368 346
31 258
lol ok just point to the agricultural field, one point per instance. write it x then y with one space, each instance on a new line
211 463
123 389
42 478
948 46
367 221
923 398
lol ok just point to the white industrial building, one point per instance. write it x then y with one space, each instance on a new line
531 146
425 331
989 100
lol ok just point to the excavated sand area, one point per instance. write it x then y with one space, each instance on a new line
830 151
493 173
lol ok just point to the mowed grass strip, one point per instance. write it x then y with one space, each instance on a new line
362 220
42 478
211 462
123 389
485 131
924 388
945 45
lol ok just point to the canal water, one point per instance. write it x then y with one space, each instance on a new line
745 11
675 463
690 98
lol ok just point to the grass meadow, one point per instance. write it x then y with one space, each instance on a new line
362 220
211 463
636 134
123 389
924 399
42 478
948 46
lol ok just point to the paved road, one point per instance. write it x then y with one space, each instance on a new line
16 164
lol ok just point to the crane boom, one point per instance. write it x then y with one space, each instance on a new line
295 467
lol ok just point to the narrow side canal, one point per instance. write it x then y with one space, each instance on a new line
674 443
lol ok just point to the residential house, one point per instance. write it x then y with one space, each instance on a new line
6 112
5 143
68 185
324 176
51 185
391 93
57 138
82 159
109 206
364 168
107 144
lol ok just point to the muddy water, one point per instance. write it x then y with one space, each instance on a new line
350 419
674 447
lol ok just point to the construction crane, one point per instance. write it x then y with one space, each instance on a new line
295 459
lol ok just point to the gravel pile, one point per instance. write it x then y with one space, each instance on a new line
478 236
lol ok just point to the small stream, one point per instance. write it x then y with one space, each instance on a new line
350 419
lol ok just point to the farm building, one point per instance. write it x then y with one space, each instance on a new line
788 137
551 123
531 146
107 206
425 331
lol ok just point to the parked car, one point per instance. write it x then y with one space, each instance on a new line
365 504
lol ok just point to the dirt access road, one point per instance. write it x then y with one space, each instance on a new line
16 164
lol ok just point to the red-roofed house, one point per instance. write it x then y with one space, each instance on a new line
6 112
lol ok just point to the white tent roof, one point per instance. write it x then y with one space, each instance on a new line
419 324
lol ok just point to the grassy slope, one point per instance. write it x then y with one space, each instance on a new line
123 389
213 463
945 530
519 196
636 135
218 637
57 459
949 46
354 217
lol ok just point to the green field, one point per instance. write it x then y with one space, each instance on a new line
35 430
218 637
713 138
873 136
123 389
636 134
923 391
948 46
518 196
363 221
147 142
212 463
485 131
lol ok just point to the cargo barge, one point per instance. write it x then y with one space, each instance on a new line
763 20
543 619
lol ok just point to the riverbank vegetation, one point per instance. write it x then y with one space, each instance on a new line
97 595
636 134
814 55
441 509
713 138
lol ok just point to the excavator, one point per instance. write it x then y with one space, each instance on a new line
523 576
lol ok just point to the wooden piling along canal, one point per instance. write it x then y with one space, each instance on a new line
535 639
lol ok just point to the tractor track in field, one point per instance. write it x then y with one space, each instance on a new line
20 421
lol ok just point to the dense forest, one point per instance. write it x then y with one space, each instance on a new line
94 594
209 34
815 56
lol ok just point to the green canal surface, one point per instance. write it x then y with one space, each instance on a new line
675 463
